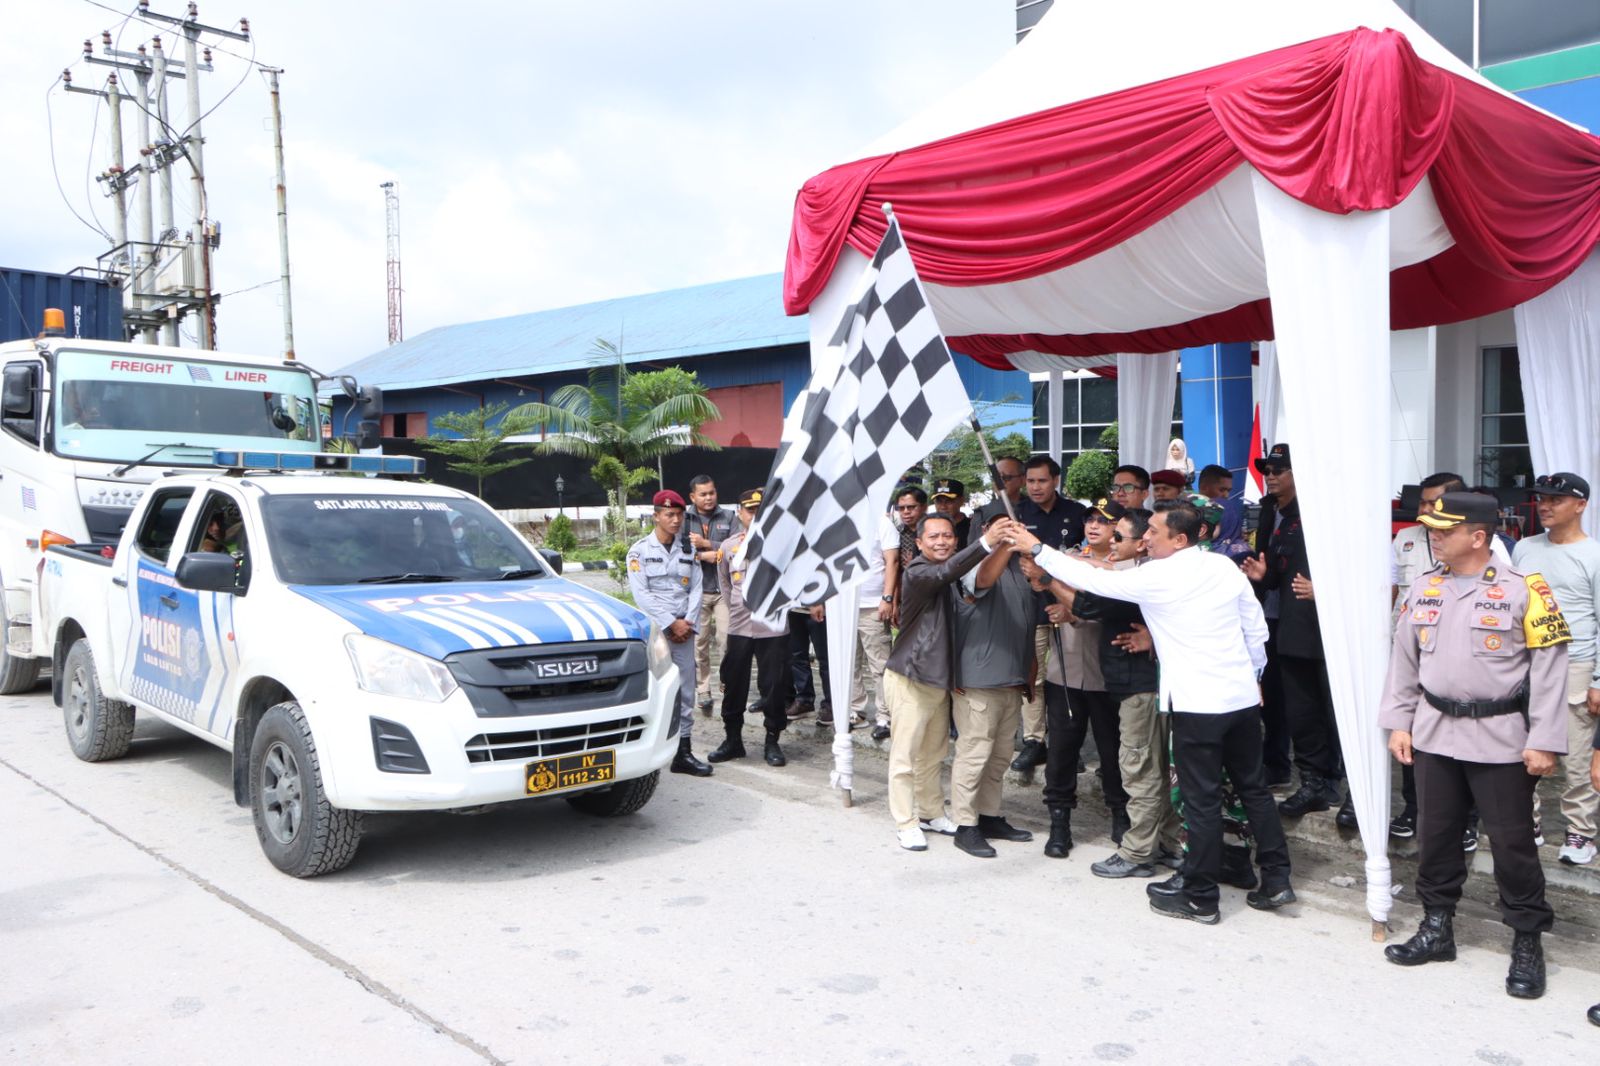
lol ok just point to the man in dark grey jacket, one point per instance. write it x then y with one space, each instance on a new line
917 682
993 667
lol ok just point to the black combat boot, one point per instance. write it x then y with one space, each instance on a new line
774 754
1311 796
685 762
1435 941
1526 977
1120 824
1059 846
732 747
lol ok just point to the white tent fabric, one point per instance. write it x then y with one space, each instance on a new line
1558 338
1269 397
1330 304
1146 388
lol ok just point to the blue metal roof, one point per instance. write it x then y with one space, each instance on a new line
724 316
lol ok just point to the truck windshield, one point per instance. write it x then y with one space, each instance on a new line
348 539
116 408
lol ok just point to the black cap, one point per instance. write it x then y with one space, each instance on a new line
1454 508
750 499
950 487
1278 456
1107 510
1560 485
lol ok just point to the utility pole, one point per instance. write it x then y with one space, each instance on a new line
391 205
115 177
205 234
283 213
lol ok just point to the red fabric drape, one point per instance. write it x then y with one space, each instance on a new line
1348 122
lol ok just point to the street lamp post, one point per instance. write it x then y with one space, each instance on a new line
561 487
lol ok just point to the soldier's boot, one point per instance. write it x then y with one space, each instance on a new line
1434 941
685 762
1525 980
772 753
1059 846
732 746
1237 869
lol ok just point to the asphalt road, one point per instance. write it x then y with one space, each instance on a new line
746 917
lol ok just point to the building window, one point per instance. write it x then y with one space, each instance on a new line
1088 407
1504 458
404 424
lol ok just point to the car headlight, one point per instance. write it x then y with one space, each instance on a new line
387 670
660 653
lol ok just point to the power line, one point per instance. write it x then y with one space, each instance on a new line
50 127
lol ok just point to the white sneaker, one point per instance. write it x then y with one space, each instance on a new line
1579 851
941 825
912 839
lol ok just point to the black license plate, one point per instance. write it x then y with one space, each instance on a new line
562 669
570 771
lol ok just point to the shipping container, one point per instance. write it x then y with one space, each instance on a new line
93 307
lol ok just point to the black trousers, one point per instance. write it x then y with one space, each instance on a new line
1203 746
1446 788
1274 721
804 634
1069 715
1309 702
773 678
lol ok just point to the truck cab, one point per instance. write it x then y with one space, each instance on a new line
85 425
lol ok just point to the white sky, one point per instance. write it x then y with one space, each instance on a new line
548 153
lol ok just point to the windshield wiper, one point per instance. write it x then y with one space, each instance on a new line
516 575
125 467
400 579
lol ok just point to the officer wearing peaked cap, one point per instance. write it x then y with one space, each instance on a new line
665 581
1475 700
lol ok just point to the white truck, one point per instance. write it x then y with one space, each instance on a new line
357 645
85 425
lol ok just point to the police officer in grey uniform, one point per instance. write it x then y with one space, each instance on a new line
665 581
1475 700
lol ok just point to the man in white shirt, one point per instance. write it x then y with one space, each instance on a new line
874 611
1210 635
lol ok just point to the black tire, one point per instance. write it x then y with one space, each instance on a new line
97 728
300 832
625 797
16 675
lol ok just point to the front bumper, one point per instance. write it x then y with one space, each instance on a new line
444 733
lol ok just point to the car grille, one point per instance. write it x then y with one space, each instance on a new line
530 744
505 682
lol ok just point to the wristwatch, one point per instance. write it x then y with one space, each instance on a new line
888 599
1034 551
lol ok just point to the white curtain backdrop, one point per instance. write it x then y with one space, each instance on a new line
1329 279
1558 340
1147 385
1269 397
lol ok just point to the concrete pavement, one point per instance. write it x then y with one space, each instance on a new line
741 917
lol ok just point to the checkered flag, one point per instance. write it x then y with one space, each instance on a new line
883 394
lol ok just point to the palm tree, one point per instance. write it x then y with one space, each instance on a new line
632 418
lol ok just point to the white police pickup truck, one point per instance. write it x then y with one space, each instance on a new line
358 645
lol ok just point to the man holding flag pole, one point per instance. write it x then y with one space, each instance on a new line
883 393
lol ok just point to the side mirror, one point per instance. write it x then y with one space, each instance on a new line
552 557
19 390
208 572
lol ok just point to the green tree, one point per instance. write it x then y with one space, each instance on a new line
959 456
1089 476
472 451
560 536
626 417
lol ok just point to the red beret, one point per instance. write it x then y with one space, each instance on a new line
667 498
1167 477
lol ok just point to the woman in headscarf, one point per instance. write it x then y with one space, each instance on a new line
1178 459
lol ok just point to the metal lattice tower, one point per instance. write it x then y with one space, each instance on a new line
391 204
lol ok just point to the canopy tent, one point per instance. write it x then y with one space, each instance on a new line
1142 178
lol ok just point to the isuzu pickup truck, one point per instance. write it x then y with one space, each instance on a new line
357 644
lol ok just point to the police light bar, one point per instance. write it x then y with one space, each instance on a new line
397 465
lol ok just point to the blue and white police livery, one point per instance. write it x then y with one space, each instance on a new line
437 660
